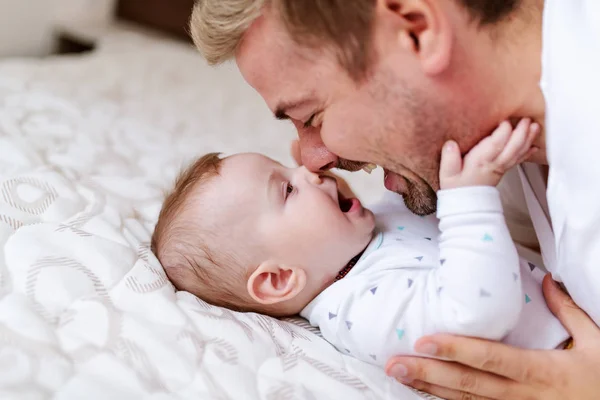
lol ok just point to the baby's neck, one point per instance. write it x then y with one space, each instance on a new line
344 271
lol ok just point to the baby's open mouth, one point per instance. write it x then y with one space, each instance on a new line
345 204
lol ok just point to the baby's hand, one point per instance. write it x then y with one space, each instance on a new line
487 162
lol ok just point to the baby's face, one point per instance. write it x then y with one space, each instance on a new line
293 216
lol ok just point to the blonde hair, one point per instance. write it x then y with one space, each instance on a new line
217 26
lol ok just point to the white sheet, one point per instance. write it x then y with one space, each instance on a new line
87 146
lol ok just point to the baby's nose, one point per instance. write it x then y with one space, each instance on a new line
315 179
311 177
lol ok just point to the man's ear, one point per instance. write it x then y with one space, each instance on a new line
272 283
423 28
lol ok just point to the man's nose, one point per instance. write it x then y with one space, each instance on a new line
315 156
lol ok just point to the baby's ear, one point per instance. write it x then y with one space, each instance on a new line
273 283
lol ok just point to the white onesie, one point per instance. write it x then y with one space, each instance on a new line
460 274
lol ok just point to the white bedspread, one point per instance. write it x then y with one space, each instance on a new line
87 146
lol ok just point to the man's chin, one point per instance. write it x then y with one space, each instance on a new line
420 205
419 197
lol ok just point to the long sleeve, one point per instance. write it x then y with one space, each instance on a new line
480 290
469 286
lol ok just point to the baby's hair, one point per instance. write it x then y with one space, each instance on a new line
196 251
186 247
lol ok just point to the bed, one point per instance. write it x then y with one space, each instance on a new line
88 145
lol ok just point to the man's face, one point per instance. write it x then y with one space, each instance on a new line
396 117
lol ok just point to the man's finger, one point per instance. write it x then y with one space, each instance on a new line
575 320
445 393
498 358
452 376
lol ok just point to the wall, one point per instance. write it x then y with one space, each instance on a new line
26 26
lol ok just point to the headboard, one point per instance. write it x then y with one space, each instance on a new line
168 16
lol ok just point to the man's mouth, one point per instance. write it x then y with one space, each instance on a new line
368 168
391 180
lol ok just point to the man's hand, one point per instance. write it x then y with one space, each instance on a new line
479 369
487 162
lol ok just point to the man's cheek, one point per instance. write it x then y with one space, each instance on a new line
333 136
343 136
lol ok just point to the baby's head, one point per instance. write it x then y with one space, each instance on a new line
249 234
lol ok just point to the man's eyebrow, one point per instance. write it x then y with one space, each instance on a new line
283 108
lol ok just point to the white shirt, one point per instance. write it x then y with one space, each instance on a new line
567 221
419 276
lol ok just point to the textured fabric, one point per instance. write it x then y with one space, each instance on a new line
414 279
87 147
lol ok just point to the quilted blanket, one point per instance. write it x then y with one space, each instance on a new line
88 145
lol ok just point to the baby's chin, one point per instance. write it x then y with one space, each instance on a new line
369 229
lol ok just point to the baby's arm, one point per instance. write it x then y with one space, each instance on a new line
479 281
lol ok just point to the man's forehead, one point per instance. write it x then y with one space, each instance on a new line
274 65
264 48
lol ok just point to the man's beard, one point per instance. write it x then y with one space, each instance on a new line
426 123
420 199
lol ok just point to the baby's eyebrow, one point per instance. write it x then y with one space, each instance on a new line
272 184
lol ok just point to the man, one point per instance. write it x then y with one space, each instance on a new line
390 82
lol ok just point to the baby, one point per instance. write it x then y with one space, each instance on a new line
246 233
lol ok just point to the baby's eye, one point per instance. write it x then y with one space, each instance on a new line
289 189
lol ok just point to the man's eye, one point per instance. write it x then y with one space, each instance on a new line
309 121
